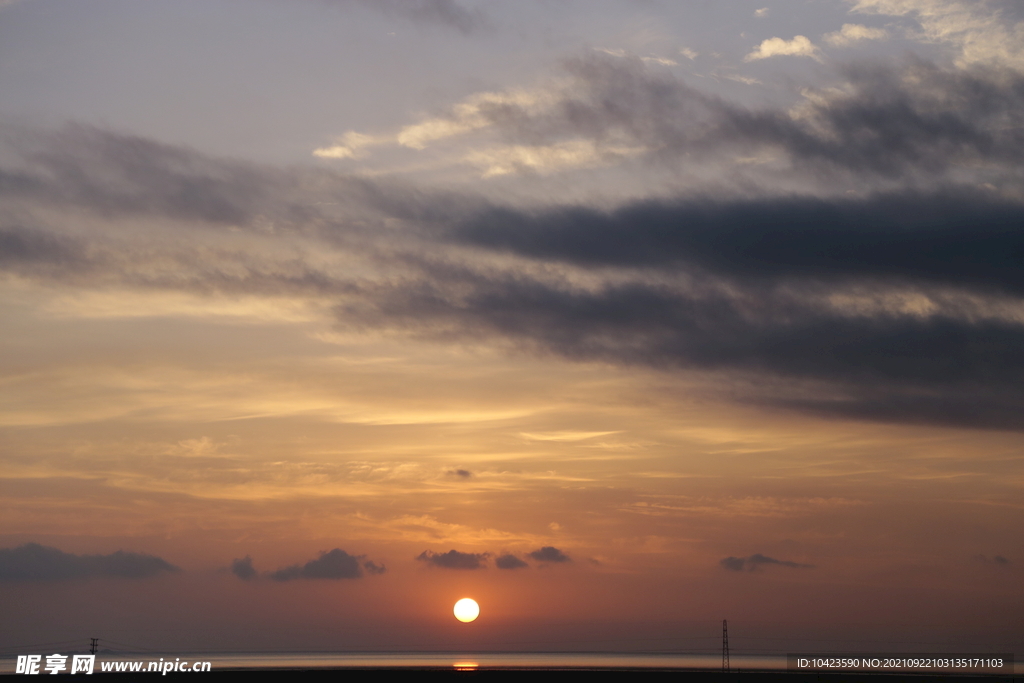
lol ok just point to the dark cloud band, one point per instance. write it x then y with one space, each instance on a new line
34 562
336 564
951 237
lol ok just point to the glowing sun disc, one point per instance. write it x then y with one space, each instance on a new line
467 610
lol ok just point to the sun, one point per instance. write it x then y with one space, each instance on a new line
466 610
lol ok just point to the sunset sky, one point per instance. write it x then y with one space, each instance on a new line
622 317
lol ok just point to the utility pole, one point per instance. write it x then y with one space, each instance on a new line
725 646
93 645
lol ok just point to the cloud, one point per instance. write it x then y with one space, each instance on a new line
34 562
509 561
453 559
550 554
477 111
243 569
871 305
980 32
445 12
955 238
122 175
799 46
462 474
351 145
763 12
852 33
336 564
756 560
908 122
997 560
372 567
796 292
570 154
733 563
746 80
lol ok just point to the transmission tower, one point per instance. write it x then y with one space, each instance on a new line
93 645
725 646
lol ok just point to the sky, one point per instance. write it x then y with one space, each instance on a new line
622 317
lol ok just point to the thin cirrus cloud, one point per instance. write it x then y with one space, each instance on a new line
335 564
34 562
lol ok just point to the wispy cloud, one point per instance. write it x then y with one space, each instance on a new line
852 33
979 32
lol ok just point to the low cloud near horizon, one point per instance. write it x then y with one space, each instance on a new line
453 559
738 564
550 554
334 564
34 562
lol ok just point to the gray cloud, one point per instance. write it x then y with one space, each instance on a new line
950 237
509 561
887 122
462 474
735 564
34 562
550 554
112 174
243 569
756 560
335 564
746 286
446 12
944 368
453 559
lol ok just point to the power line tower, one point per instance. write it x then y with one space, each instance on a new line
93 646
725 646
